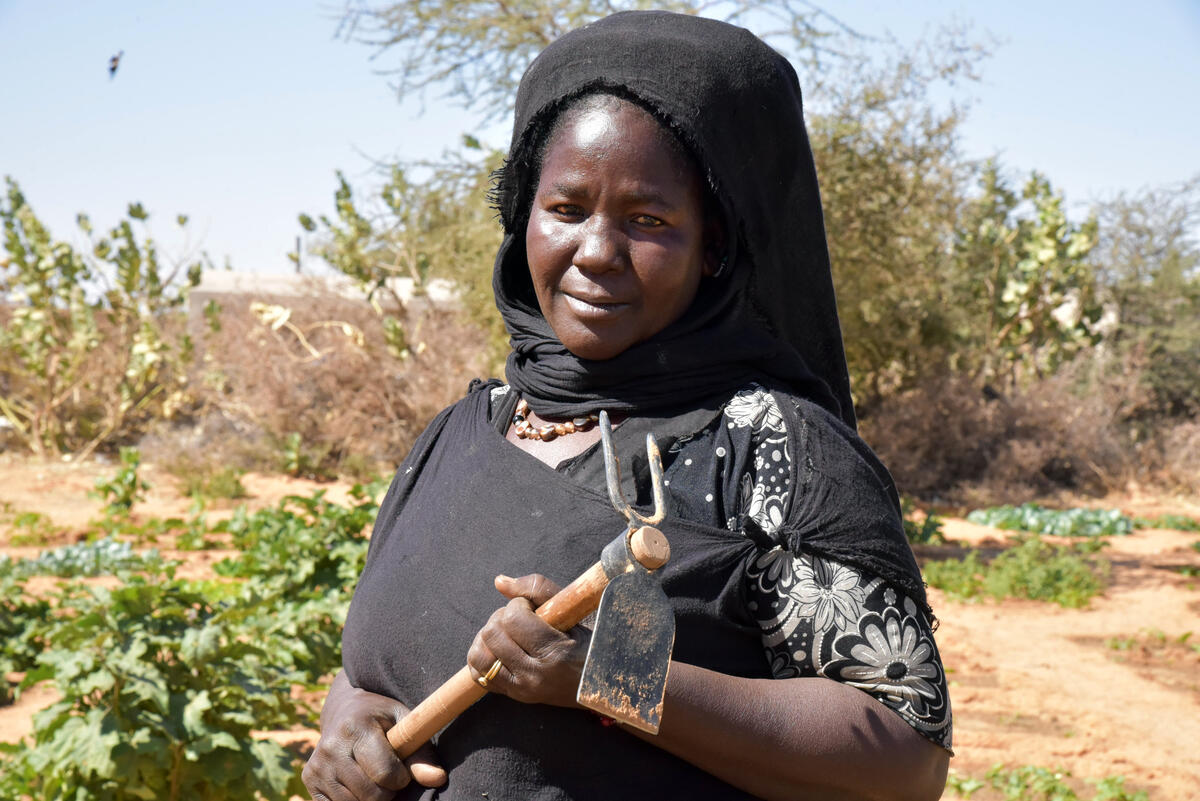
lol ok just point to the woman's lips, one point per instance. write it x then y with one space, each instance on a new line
594 307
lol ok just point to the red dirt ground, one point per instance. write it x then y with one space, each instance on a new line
1110 689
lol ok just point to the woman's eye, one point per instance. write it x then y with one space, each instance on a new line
566 210
647 220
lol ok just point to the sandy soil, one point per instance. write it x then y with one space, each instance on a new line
1111 689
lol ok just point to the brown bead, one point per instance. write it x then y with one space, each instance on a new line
524 429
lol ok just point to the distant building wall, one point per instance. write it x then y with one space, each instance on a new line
231 289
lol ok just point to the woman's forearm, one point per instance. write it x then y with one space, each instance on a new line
804 738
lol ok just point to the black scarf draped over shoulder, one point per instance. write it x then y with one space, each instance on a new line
770 315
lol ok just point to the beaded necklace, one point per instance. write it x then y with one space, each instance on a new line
527 430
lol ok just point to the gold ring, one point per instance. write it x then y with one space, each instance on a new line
491 674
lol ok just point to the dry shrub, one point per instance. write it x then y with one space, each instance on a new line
108 402
950 440
1172 458
335 401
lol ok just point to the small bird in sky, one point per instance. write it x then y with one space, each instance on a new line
113 63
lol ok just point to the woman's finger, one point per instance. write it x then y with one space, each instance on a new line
480 657
379 761
332 791
426 768
534 636
539 663
344 781
361 786
535 587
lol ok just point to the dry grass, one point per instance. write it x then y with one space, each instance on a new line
336 401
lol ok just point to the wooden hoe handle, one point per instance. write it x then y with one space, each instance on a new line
565 610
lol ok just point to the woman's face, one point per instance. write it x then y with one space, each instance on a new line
616 236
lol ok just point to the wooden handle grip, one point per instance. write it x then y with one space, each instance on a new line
566 609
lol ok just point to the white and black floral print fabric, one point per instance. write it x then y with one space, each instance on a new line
818 617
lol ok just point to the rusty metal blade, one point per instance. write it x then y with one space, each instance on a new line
625 674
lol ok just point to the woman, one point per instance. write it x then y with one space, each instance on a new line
664 259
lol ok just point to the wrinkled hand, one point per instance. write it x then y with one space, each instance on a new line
353 760
540 665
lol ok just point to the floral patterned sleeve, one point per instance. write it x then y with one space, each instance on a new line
822 618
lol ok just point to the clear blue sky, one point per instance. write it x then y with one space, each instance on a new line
239 113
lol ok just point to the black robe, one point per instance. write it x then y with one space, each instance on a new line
467 505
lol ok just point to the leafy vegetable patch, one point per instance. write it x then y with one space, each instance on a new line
1033 569
99 558
1036 519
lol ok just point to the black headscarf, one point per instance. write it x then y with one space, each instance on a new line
771 314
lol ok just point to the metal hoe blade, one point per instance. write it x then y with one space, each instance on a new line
625 675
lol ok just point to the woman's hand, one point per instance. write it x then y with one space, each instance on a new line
785 739
353 760
539 664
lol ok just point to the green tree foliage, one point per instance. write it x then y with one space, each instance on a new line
939 264
1025 279
890 186
886 159
1148 258
85 354
474 51
437 227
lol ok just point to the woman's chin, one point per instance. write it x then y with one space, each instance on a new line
597 346
598 352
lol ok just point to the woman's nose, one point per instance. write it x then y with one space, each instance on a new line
600 247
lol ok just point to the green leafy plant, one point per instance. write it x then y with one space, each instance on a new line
1169 521
927 531
125 488
161 690
20 616
963 786
302 541
224 482
1031 783
1033 569
86 354
1036 519
1152 640
194 533
1036 783
1112 788
1120 643
99 558
28 528
1037 298
296 458
162 681
301 560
